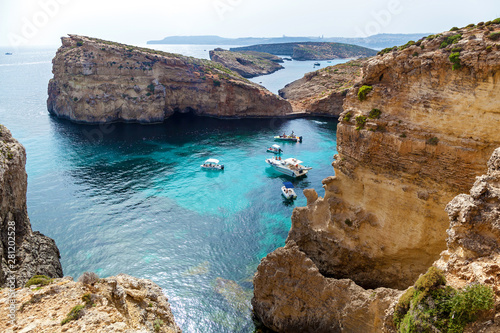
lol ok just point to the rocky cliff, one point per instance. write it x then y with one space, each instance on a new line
311 50
23 251
322 92
97 81
247 63
419 125
116 304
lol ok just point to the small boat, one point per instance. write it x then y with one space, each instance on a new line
212 164
288 191
290 138
317 64
8 53
329 61
275 149
291 166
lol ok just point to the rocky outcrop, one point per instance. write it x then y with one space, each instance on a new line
23 252
416 137
322 92
97 81
291 295
248 63
116 304
311 50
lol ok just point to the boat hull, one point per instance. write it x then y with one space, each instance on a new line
286 171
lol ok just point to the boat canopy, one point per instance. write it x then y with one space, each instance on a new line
292 161
288 184
276 146
212 160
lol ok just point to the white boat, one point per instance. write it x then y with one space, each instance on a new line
275 149
212 164
288 191
290 138
291 166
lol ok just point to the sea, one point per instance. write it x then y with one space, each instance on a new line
131 198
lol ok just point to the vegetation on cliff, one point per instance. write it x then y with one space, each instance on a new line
432 306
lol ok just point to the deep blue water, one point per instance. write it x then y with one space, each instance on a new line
129 198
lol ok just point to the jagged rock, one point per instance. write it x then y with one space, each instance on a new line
248 63
116 304
33 253
291 295
97 81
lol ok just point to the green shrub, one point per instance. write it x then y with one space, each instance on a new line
454 29
489 48
151 88
487 23
494 36
407 45
402 135
347 117
431 306
75 99
450 40
10 156
374 114
348 222
456 49
157 324
216 83
472 25
363 91
74 314
79 43
360 121
415 54
455 60
38 280
496 21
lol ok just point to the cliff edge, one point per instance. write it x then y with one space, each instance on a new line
97 81
24 252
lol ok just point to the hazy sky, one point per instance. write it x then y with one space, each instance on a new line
35 22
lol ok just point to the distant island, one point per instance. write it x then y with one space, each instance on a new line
311 50
378 41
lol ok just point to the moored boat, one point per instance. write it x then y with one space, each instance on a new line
288 191
212 164
275 149
290 138
291 166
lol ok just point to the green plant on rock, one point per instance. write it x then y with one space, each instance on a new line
363 91
433 141
79 43
494 36
453 39
374 114
454 29
360 121
496 21
74 314
42 280
431 306
455 60
157 324
347 117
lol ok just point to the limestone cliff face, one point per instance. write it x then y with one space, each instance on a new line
23 251
97 81
247 63
416 140
120 303
383 212
322 92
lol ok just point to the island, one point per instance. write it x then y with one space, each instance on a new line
311 50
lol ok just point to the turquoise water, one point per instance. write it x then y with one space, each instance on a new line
128 198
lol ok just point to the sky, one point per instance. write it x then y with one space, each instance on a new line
43 22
